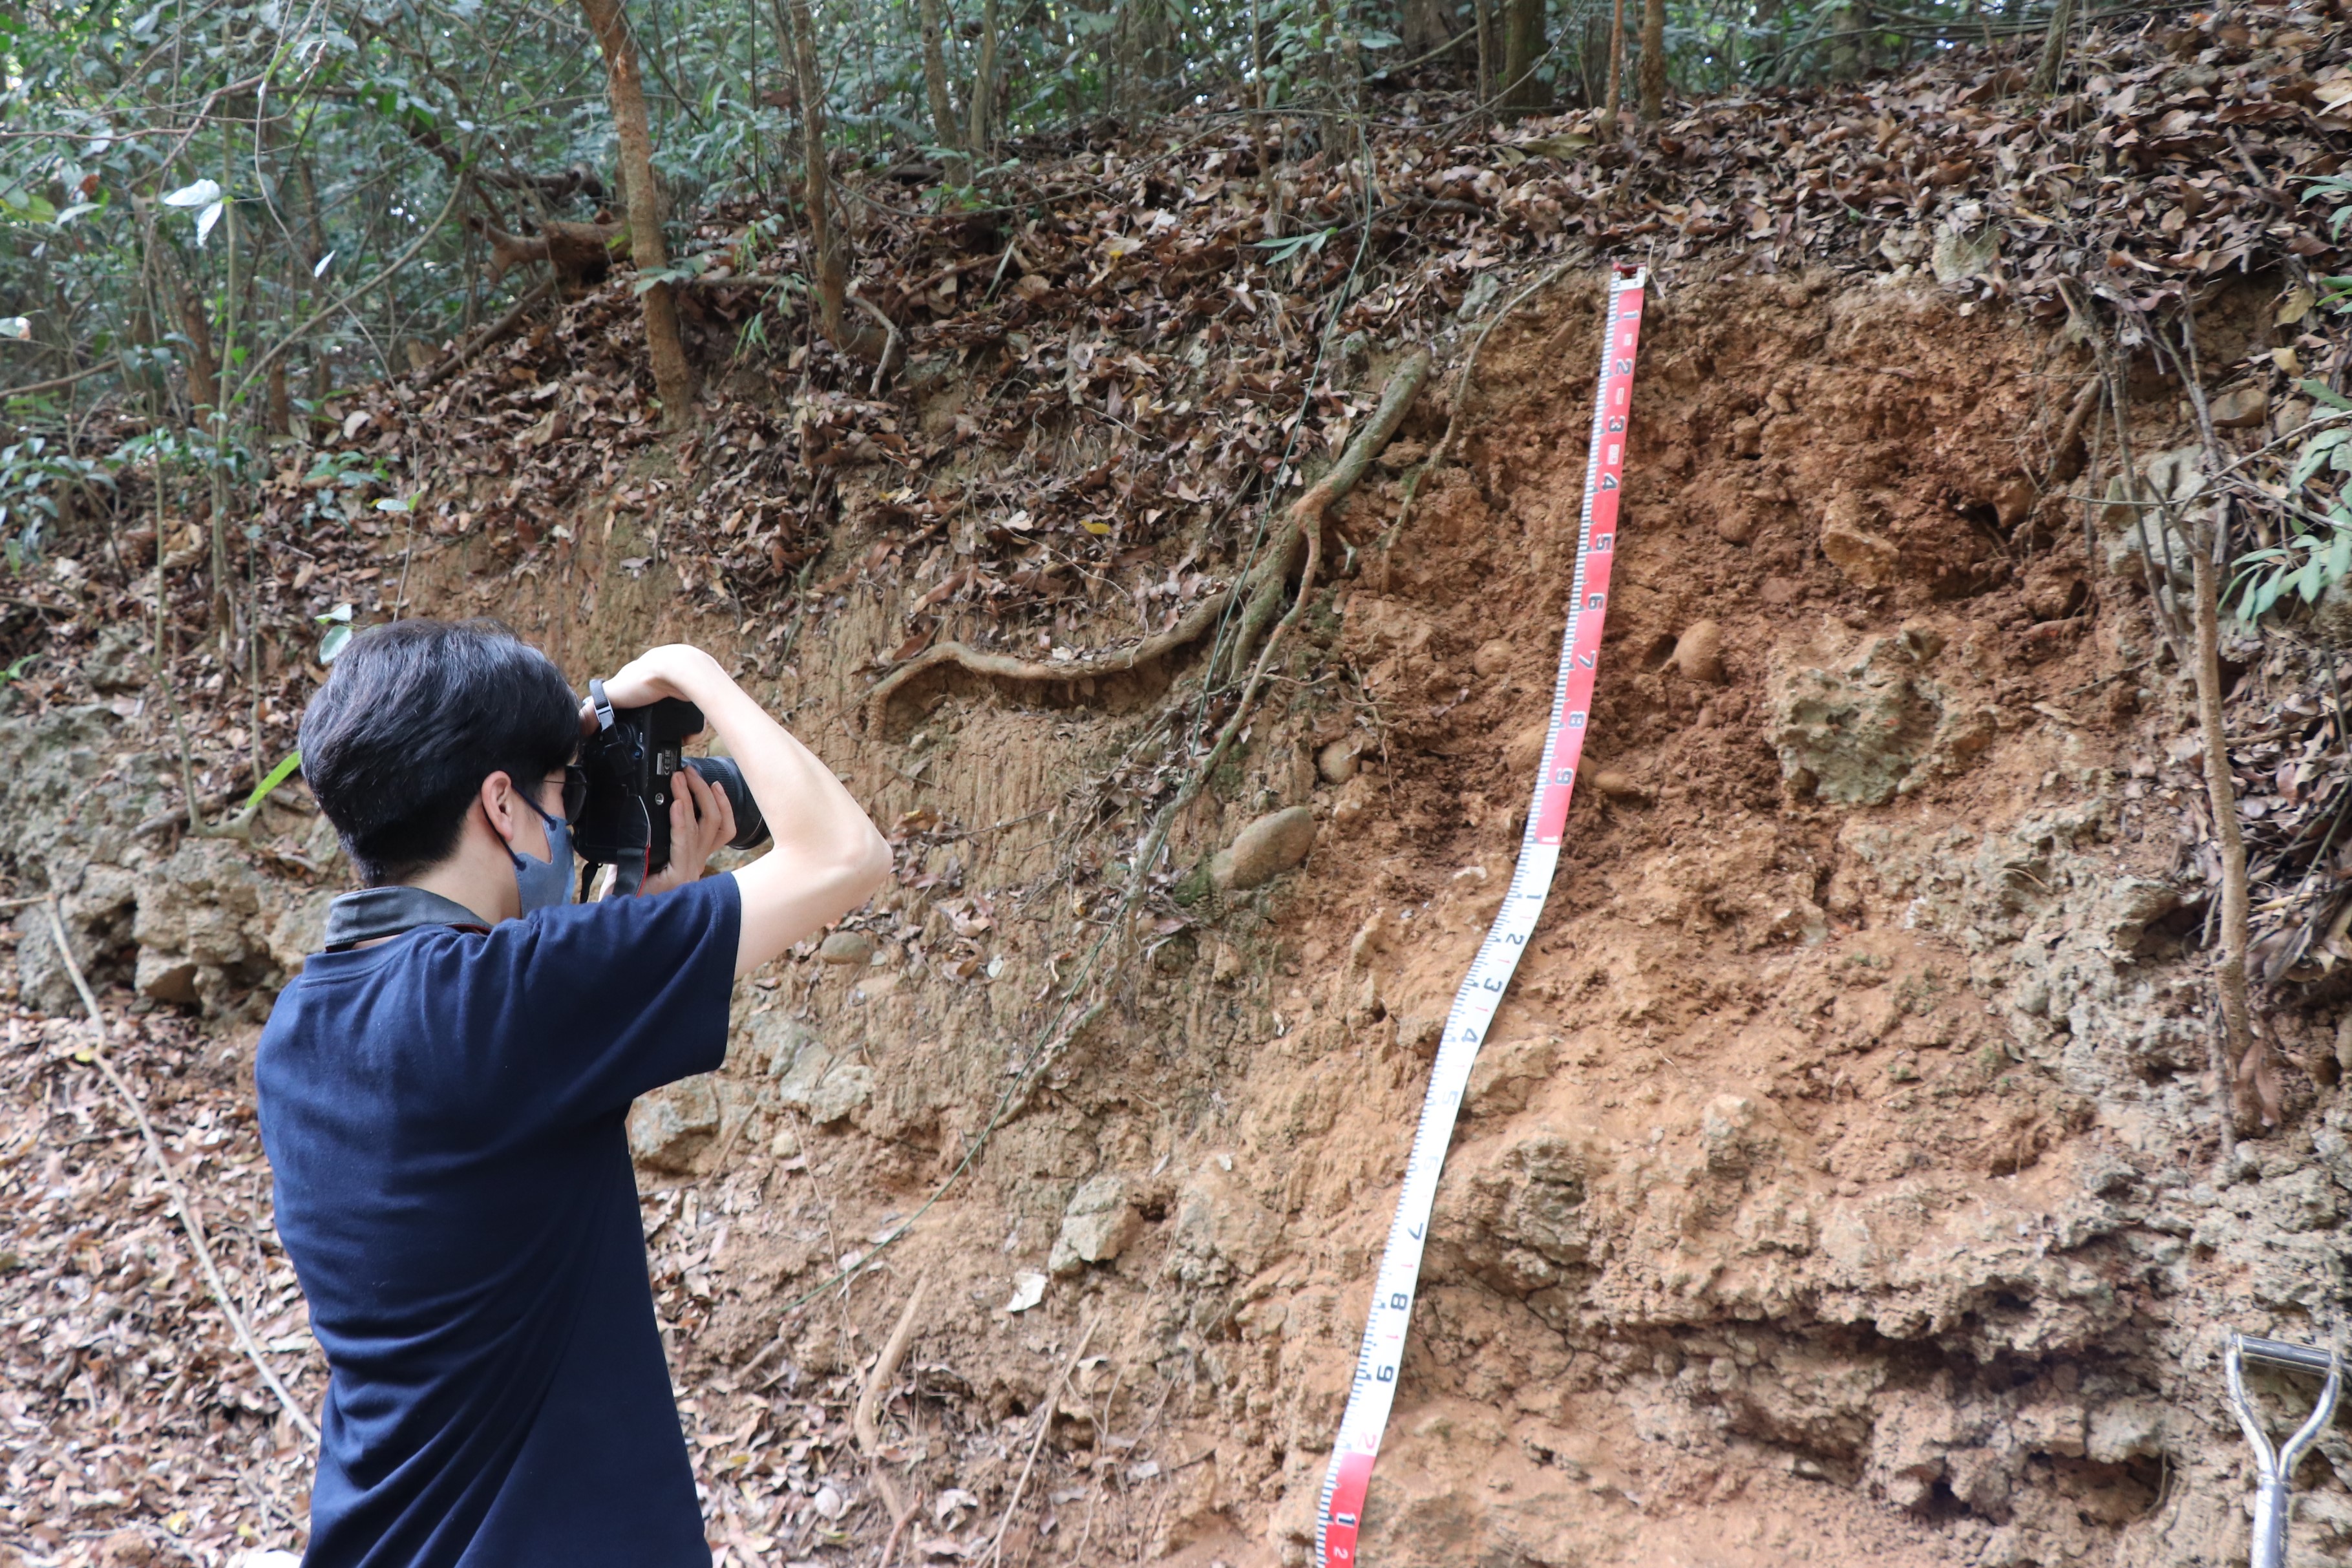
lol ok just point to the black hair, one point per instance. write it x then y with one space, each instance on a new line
412 717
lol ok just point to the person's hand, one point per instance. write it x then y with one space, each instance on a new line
701 819
675 669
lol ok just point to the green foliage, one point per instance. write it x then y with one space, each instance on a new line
34 473
263 182
271 780
2318 553
337 632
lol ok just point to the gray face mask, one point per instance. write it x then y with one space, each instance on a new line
544 884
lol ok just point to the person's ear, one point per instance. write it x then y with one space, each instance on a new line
497 798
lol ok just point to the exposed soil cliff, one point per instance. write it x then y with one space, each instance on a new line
1845 1179
1839 1181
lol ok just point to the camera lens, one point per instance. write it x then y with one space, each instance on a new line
721 773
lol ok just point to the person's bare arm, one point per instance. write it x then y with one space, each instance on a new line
827 857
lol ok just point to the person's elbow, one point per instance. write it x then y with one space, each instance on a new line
869 865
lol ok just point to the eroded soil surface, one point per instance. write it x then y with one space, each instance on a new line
1839 1183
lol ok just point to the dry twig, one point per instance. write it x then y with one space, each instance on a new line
869 1427
450 363
180 1200
1045 1424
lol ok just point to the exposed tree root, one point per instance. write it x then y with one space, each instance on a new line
2066 452
1261 588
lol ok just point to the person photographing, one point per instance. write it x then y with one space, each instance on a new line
442 1092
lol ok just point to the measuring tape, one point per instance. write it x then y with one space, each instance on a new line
1340 1514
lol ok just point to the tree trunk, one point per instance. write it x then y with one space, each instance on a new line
1850 46
1479 17
1523 47
829 265
1616 72
1426 26
204 364
279 418
2053 48
1268 184
1653 61
982 130
935 85
672 378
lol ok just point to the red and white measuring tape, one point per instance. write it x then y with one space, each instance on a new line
1341 1512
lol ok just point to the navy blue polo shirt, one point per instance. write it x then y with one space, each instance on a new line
443 1116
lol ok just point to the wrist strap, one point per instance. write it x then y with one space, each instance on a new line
603 704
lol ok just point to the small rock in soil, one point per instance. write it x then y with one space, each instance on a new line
1096 1226
670 1126
1336 761
824 1086
2014 502
2241 406
1698 653
1867 560
1920 640
1620 785
846 947
1265 849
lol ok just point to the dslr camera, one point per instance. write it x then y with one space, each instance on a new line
623 819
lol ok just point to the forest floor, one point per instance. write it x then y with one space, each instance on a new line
1848 1174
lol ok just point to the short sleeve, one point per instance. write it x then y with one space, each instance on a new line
578 1010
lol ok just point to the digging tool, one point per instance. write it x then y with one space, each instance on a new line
2274 1472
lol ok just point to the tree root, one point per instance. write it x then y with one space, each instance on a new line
888 362
2065 459
1261 588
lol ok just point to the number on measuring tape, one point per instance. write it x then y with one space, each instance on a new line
1341 1510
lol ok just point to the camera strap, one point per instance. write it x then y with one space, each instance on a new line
374 913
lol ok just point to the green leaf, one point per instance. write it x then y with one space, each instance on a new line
332 643
276 776
2307 461
25 209
2321 391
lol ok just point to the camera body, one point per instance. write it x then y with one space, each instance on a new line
631 764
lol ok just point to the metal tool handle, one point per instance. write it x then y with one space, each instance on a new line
2285 1353
2274 1472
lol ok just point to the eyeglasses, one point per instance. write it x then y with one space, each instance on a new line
576 792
